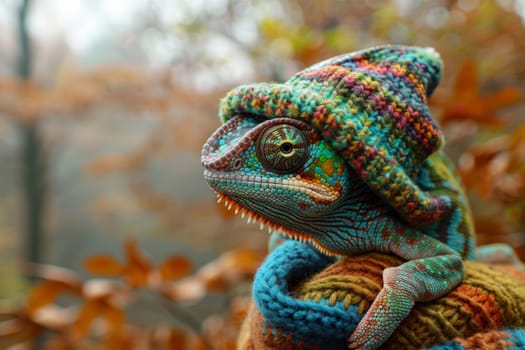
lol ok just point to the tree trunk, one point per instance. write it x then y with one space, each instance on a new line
31 157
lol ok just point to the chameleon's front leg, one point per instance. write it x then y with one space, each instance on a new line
433 270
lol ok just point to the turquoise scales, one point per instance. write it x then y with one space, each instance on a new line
345 155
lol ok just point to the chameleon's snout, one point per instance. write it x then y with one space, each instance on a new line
219 150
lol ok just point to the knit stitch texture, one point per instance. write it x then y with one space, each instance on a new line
305 301
371 106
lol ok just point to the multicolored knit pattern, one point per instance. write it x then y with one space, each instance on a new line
371 106
506 339
305 301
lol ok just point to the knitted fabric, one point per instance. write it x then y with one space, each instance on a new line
371 106
305 301
490 340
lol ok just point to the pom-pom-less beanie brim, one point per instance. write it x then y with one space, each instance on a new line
371 107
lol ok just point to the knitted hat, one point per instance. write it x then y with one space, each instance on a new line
371 107
304 301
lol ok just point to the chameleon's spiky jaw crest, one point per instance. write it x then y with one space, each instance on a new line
253 217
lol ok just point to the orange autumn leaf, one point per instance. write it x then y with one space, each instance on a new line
136 277
178 339
89 312
173 268
466 103
119 342
467 79
113 316
135 257
504 97
45 293
103 264
138 267
115 319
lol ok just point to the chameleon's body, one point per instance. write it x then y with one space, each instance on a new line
345 156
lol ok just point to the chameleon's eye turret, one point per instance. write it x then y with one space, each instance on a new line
282 148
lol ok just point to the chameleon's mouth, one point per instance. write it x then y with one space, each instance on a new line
313 189
272 227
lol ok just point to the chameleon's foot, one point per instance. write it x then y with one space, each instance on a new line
499 254
416 280
387 311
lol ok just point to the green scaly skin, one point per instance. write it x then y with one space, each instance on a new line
306 191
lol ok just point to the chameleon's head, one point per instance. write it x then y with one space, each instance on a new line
298 151
278 171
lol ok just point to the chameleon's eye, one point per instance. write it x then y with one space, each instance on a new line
282 148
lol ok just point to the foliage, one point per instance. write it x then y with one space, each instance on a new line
77 90
500 159
97 316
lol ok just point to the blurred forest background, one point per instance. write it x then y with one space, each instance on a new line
109 236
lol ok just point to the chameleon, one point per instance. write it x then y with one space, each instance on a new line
346 157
